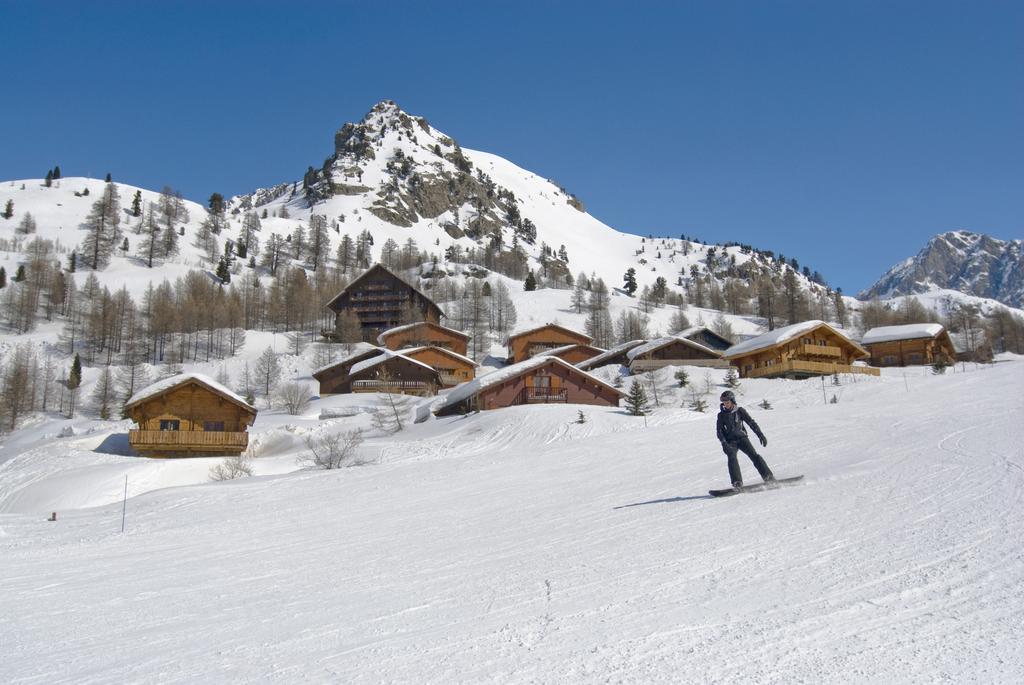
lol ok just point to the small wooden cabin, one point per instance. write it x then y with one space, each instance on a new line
909 345
424 333
334 378
452 367
673 351
540 380
381 300
189 415
574 354
802 350
395 373
526 344
616 355
706 337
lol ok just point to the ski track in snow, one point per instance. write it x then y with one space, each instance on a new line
519 546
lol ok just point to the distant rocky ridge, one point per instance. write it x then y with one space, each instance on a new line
971 263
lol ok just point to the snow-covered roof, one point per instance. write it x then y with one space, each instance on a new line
443 350
694 330
468 389
361 349
613 352
555 351
908 331
409 326
658 343
160 387
779 336
549 325
381 358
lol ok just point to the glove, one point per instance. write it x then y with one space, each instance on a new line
764 441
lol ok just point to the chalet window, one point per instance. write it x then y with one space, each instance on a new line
915 357
542 381
213 425
807 341
170 424
889 359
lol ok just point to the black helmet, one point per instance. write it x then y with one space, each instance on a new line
728 395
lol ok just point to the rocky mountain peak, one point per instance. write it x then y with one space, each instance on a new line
972 263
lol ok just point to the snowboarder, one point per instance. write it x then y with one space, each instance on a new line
733 436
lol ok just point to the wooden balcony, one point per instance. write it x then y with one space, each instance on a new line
801 368
541 396
451 380
185 442
819 351
397 387
641 365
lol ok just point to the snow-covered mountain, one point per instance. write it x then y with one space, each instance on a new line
395 176
967 262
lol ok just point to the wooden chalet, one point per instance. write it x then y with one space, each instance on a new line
526 344
452 367
381 300
540 380
334 378
802 350
574 354
189 415
616 355
394 373
909 345
424 333
673 351
706 337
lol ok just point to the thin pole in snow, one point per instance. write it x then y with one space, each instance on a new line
905 384
823 398
124 505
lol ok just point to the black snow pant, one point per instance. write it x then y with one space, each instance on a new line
743 444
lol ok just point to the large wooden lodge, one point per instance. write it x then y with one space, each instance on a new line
189 415
909 345
381 300
801 350
539 380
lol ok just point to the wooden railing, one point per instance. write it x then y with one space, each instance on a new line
799 366
418 387
820 351
180 441
541 396
641 365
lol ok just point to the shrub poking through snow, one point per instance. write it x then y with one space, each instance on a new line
231 468
333 450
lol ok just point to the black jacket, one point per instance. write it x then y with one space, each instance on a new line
730 424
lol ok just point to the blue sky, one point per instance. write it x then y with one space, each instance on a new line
844 134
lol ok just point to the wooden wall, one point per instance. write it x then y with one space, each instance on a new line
519 348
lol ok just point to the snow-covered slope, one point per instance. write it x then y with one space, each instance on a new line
521 546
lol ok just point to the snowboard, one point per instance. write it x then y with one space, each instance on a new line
755 487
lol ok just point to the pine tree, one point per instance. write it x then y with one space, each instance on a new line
137 203
268 371
27 224
49 179
629 284
74 383
3 277
102 226
223 272
72 261
8 209
531 282
20 275
636 400
56 172
732 378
